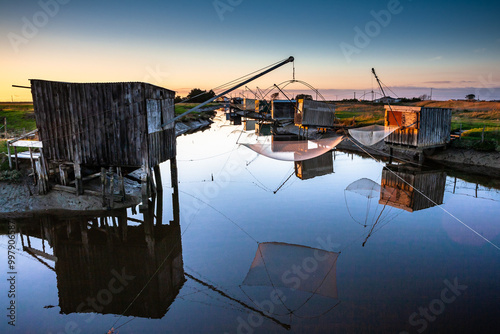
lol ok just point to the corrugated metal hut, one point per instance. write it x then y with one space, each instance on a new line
119 124
283 109
399 188
314 113
319 166
421 127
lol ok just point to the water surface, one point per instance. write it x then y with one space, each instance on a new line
404 265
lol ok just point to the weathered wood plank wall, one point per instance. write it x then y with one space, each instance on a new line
319 166
282 110
422 127
399 189
104 124
314 113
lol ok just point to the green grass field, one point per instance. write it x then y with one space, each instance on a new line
20 117
181 108
359 114
468 116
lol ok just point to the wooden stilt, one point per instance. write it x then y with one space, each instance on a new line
43 178
175 194
144 189
111 187
15 154
159 185
103 185
32 165
421 157
159 209
122 223
149 229
121 183
78 178
8 154
63 174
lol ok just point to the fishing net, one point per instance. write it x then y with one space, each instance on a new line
295 150
370 135
275 264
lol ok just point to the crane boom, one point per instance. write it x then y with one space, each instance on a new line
288 60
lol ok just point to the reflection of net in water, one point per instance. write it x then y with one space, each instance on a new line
295 150
370 135
372 216
365 187
297 274
274 262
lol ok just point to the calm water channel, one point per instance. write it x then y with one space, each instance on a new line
247 244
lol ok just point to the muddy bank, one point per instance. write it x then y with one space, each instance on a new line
469 161
21 199
485 163
191 127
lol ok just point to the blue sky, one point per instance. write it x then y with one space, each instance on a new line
181 45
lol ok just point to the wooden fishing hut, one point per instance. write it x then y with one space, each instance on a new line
314 113
249 104
283 109
411 189
420 127
319 166
262 107
106 126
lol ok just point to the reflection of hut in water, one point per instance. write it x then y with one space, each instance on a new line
113 265
420 127
411 189
125 264
262 107
319 166
248 104
283 109
103 125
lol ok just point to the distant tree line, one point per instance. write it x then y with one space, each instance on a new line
196 95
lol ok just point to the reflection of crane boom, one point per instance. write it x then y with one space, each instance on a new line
222 293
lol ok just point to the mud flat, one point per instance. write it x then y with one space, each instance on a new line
22 199
483 163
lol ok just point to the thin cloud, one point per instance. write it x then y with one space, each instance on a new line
438 82
482 50
436 58
447 82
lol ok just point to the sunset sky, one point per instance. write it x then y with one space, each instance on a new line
450 46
